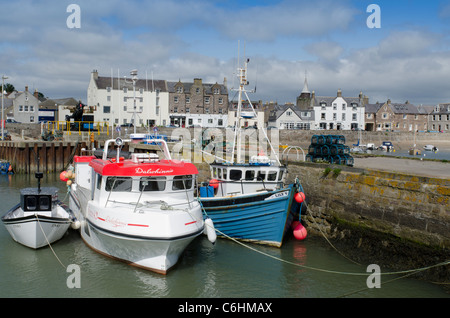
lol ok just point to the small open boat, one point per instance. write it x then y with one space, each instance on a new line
39 219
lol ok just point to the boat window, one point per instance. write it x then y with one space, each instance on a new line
44 203
261 175
182 182
118 184
272 176
249 175
152 184
219 173
280 176
214 172
31 203
225 174
235 174
99 181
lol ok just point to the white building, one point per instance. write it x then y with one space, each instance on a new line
26 107
113 98
289 116
339 113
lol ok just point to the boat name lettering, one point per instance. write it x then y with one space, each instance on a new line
277 195
151 171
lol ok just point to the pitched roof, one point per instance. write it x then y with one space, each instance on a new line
104 82
187 87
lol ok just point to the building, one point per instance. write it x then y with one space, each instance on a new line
290 116
113 100
248 118
339 113
439 118
397 117
26 106
198 104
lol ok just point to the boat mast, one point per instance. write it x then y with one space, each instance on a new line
242 75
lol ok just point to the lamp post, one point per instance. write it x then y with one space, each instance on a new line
3 93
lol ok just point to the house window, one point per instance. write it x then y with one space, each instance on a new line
334 106
322 116
188 110
25 108
216 91
108 89
289 113
220 100
179 89
354 117
106 109
108 98
188 100
207 99
31 108
175 99
220 122
197 90
125 90
20 108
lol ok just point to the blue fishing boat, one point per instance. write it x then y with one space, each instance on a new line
250 200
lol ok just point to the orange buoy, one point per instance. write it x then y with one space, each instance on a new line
214 183
300 232
62 176
299 197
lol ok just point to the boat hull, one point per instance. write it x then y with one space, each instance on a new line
157 253
261 218
35 231
154 254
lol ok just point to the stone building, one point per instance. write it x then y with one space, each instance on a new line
188 101
439 118
395 117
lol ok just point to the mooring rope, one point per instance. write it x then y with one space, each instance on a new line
37 218
409 272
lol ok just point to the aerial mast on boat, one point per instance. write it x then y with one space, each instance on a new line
242 75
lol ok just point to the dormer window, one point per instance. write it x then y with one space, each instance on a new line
179 89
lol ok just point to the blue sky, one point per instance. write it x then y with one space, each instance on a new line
408 58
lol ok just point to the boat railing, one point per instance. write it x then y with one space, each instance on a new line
243 182
147 203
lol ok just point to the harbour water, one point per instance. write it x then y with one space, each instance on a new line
309 268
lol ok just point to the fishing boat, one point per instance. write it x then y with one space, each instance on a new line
40 218
248 200
139 209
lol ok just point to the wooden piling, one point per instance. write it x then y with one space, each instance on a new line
53 156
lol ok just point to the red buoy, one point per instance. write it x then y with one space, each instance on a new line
62 176
294 224
299 197
300 232
214 183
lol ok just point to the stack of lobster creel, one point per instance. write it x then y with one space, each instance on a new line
329 148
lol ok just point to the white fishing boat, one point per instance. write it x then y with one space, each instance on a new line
140 210
39 219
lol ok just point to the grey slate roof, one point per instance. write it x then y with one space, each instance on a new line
104 82
187 87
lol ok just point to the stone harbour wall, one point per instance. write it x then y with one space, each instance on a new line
395 219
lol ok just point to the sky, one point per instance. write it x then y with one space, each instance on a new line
406 58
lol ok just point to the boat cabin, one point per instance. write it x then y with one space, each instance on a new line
235 179
34 200
142 179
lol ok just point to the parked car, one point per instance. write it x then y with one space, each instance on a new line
12 121
127 125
